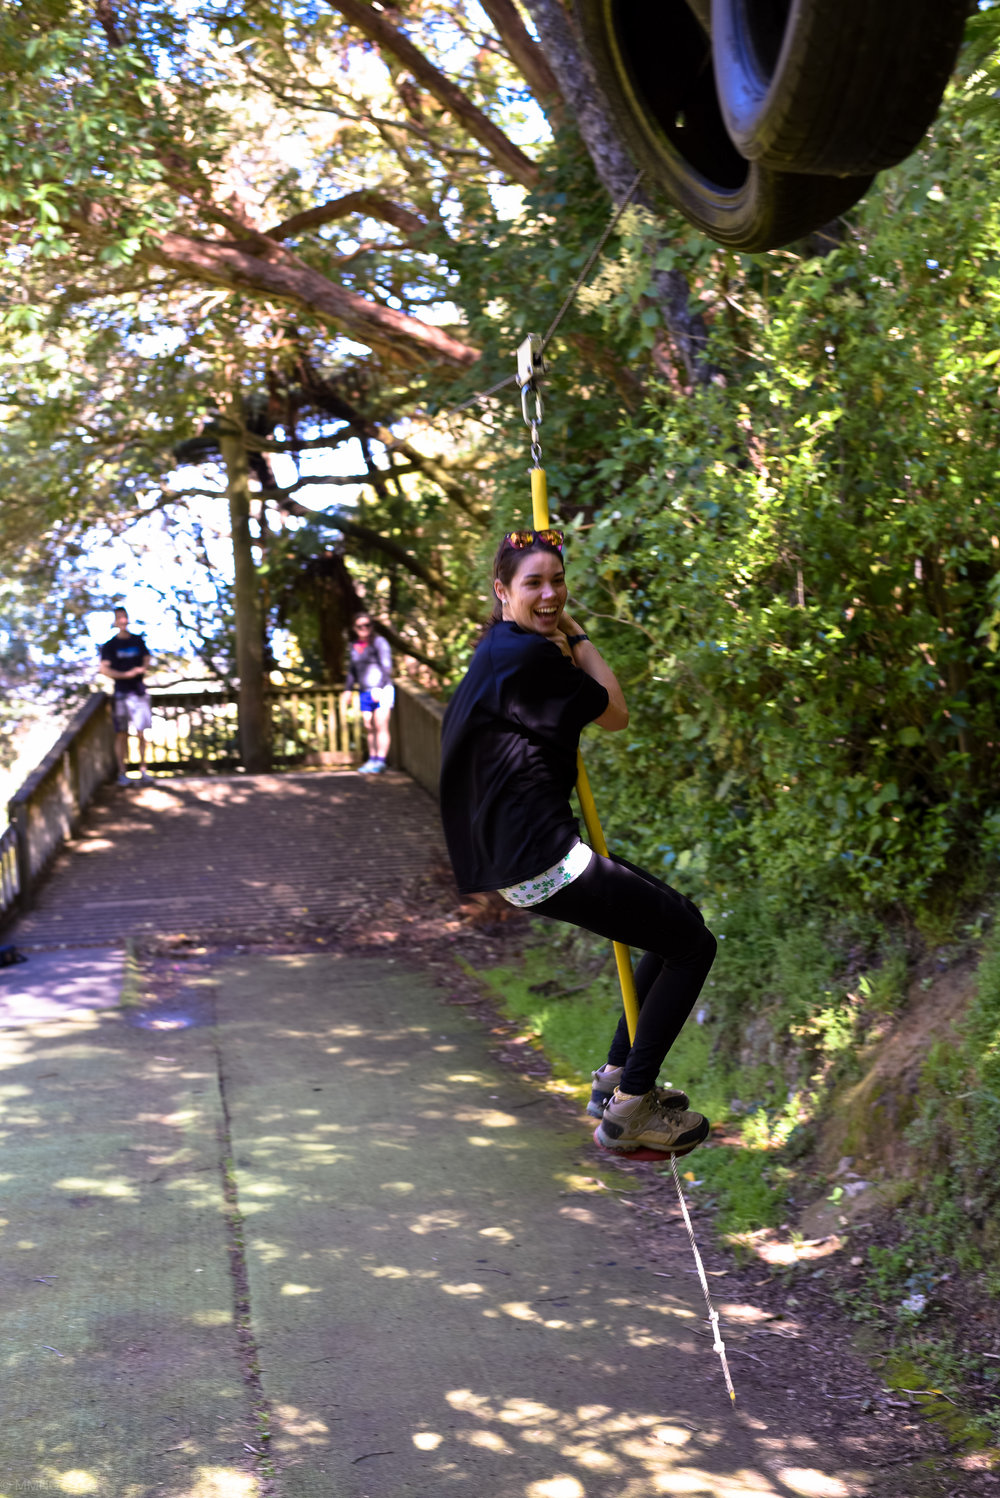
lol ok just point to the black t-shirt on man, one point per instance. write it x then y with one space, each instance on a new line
122 652
508 758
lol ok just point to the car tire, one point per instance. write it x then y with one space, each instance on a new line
654 64
832 86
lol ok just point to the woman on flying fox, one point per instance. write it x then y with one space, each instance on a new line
508 769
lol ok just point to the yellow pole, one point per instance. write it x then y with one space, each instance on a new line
623 959
539 500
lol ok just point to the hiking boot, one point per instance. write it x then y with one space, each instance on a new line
607 1078
631 1123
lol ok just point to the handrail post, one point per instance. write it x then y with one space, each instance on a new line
19 821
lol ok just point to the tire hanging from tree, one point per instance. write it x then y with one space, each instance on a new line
832 86
654 64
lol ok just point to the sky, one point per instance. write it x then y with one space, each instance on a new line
138 583
135 584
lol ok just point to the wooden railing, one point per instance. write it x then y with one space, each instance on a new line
195 732
416 736
9 882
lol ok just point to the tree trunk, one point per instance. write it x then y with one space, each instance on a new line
253 726
527 56
616 171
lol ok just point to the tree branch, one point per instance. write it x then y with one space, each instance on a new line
363 533
437 472
616 170
402 646
378 29
404 339
374 204
329 399
527 56
369 117
277 492
105 14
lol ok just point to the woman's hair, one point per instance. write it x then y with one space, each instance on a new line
505 564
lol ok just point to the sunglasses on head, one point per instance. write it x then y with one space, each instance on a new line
521 540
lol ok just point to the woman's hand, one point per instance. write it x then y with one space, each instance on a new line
567 626
589 659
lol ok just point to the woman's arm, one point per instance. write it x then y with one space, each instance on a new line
586 655
384 655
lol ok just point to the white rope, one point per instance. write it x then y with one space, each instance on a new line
482 395
713 1316
571 297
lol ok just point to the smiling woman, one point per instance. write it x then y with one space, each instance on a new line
508 767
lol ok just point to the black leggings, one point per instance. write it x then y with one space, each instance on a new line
613 898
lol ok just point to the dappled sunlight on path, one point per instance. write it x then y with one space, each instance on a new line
120 1367
442 1297
284 1220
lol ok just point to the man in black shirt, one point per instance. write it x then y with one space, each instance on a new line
125 658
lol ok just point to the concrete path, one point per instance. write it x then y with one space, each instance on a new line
441 1296
65 983
121 1370
287 1231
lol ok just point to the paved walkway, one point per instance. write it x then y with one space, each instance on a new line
286 1229
235 856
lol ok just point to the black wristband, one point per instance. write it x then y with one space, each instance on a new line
576 639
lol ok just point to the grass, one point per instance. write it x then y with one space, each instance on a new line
573 1030
573 1021
744 1186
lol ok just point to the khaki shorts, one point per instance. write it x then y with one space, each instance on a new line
131 711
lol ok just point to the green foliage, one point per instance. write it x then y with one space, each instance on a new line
801 562
572 1021
86 127
948 1231
746 1186
36 688
142 152
955 1133
906 1293
884 989
795 566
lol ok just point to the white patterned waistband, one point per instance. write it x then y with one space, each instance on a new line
534 891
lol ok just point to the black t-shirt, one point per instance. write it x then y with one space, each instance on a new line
508 758
122 652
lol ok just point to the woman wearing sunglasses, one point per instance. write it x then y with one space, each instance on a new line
369 673
508 769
